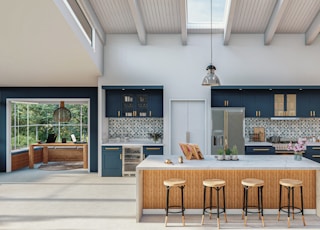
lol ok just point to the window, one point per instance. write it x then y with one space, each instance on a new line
32 122
199 13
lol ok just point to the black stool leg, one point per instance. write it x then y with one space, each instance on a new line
210 215
279 201
243 203
292 197
218 209
204 203
301 196
182 206
246 205
261 204
289 189
224 205
167 206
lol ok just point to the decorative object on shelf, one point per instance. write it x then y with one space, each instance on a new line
180 159
155 136
298 148
228 154
211 79
62 114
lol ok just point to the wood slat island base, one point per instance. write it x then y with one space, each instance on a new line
151 193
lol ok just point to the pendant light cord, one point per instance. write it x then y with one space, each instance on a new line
211 31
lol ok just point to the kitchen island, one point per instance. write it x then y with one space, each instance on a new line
153 171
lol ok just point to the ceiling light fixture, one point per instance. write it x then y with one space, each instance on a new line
211 79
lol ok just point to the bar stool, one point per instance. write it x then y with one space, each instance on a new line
247 184
171 183
290 184
216 184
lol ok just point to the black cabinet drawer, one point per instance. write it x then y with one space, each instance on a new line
260 150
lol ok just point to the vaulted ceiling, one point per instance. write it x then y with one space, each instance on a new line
268 17
38 47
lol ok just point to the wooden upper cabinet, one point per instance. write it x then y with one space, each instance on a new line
285 105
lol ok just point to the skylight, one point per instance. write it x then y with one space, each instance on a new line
199 14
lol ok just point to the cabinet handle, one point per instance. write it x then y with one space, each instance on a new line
152 148
259 113
314 113
256 113
150 113
316 156
120 156
227 102
315 148
261 150
118 113
311 113
108 148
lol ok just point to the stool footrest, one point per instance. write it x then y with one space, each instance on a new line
175 207
296 209
213 210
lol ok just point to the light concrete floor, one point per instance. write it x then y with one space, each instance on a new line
75 199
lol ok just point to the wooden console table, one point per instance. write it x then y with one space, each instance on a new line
45 152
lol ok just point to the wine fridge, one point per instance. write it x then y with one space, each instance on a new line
132 156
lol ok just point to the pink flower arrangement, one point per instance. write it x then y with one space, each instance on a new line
298 147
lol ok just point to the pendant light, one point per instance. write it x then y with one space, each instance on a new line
62 114
211 79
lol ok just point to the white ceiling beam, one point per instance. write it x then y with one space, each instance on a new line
313 30
183 19
137 17
275 18
230 11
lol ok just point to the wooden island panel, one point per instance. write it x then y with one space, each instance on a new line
154 192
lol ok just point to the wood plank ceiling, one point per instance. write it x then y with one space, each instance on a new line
268 17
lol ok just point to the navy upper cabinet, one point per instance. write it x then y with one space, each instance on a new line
226 98
258 103
134 101
308 103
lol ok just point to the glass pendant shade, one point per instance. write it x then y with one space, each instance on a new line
211 79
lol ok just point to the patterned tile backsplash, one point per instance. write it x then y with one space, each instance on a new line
304 127
137 128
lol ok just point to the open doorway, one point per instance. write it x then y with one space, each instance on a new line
31 120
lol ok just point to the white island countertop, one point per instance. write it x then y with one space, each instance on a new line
245 162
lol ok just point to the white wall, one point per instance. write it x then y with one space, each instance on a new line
180 69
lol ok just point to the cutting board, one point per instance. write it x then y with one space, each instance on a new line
260 132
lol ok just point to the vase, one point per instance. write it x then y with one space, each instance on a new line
298 156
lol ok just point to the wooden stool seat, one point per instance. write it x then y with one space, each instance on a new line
214 183
290 182
174 182
252 182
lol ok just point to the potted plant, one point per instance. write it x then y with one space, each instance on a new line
220 153
155 136
228 153
234 152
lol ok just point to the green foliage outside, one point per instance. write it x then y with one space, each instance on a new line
31 123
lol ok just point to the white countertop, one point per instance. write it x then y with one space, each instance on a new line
245 162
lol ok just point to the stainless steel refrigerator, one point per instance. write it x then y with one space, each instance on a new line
227 128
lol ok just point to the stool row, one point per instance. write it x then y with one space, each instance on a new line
248 183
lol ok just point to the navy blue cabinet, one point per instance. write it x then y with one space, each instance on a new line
258 103
134 101
260 150
226 98
152 150
308 103
111 161
313 153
